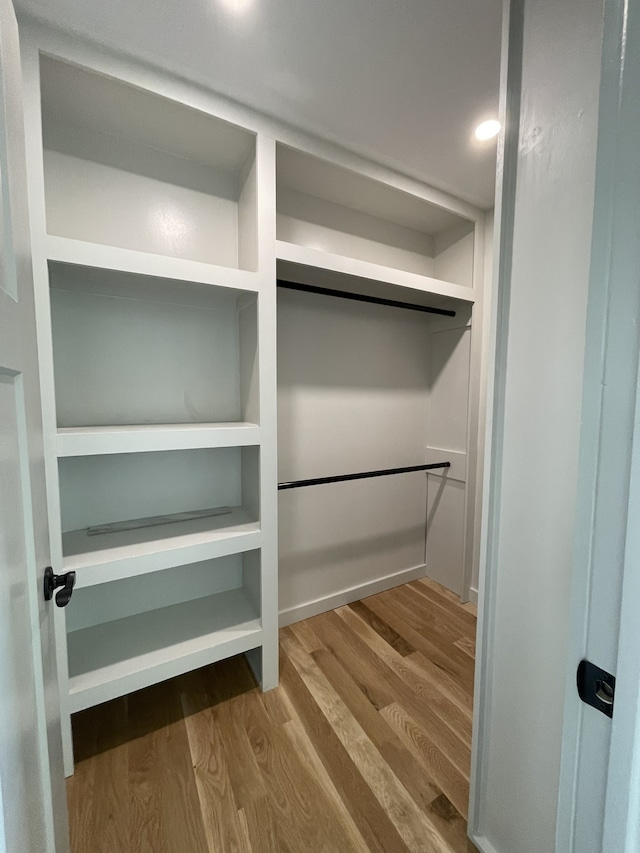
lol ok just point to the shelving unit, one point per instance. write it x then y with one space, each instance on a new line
162 218
157 304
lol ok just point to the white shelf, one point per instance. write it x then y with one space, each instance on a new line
82 253
328 262
128 654
91 441
112 556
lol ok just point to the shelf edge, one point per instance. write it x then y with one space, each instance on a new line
343 265
82 253
94 441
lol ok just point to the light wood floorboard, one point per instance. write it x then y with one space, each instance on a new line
363 748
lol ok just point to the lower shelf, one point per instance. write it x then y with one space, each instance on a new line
115 658
112 556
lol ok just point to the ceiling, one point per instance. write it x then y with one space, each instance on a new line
403 82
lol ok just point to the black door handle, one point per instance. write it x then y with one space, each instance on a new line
52 582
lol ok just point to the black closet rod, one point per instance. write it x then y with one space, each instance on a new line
360 297
365 475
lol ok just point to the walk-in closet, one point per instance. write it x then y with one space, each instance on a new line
263 363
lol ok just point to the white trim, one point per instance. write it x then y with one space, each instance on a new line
509 115
621 830
605 457
482 844
345 596
622 807
473 595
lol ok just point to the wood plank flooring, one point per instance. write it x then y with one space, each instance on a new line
364 746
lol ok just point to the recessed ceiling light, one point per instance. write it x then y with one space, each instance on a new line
239 7
487 130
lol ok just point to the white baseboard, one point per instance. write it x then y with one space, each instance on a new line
483 845
473 596
346 596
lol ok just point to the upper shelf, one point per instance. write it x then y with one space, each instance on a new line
324 207
126 167
66 250
328 269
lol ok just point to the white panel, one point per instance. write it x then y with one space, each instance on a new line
81 98
319 224
22 824
249 361
106 602
344 535
449 365
456 458
350 189
91 201
124 361
352 396
248 220
447 431
453 258
352 386
103 489
445 532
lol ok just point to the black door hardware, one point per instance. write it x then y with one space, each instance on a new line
596 687
52 582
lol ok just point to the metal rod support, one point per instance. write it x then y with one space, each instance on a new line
360 297
365 475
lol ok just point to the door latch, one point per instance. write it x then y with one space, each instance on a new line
52 582
596 687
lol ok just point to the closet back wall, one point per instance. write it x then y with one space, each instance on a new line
352 396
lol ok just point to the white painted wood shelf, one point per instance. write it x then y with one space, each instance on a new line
91 441
66 250
328 263
118 657
113 556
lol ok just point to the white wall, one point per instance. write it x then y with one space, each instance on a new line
363 387
537 425
449 354
352 396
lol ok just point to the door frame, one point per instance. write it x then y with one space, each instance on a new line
614 276
613 349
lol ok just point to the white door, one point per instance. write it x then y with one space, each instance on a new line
32 796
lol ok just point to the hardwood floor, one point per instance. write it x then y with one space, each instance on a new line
364 746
